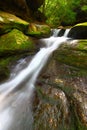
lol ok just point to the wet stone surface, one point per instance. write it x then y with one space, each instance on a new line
61 99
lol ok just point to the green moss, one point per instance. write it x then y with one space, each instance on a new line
82 45
82 24
15 41
4 70
73 58
38 30
9 22
74 55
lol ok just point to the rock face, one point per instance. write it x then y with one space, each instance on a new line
34 4
21 8
61 98
17 7
79 31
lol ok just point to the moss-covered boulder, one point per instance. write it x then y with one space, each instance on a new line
73 54
9 22
15 42
79 31
37 30
13 46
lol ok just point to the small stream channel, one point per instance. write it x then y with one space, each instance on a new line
44 98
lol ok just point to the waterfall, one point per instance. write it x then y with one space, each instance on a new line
66 32
60 32
56 32
16 94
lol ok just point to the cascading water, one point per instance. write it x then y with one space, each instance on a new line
66 32
16 94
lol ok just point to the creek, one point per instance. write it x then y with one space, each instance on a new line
17 93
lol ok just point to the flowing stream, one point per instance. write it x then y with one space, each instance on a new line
16 94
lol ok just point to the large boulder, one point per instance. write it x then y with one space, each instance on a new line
74 54
15 41
9 22
79 31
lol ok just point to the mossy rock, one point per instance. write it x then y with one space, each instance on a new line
79 31
73 55
9 22
15 42
38 31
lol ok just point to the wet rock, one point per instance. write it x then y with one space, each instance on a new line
74 54
79 31
50 109
62 98
61 32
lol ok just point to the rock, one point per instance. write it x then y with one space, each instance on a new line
13 46
37 30
15 42
79 31
74 54
4 70
61 32
9 22
16 7
21 7
62 90
61 100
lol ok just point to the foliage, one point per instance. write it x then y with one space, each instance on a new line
64 11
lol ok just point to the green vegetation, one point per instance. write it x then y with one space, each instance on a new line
65 12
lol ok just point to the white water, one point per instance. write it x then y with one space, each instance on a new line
16 95
56 32
66 32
